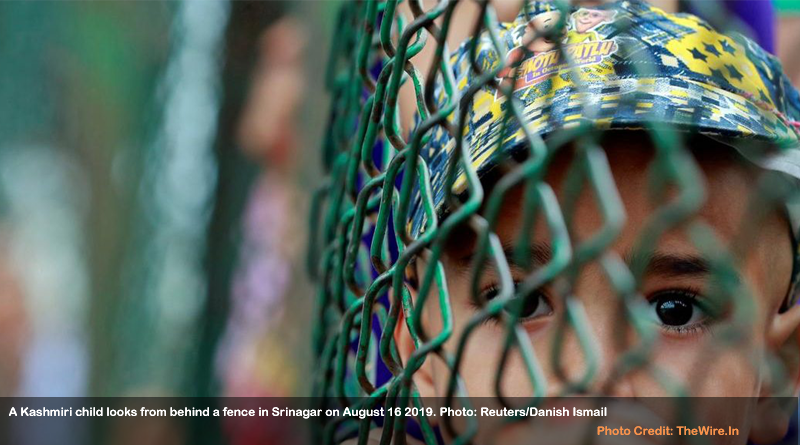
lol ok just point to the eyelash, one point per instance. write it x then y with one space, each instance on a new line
494 287
691 294
478 307
694 296
688 331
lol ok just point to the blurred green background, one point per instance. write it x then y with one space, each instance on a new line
133 259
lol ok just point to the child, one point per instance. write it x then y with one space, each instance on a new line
738 117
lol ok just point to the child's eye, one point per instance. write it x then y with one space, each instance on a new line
678 311
535 304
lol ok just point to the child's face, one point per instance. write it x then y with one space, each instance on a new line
673 289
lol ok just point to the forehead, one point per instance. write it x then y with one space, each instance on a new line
726 178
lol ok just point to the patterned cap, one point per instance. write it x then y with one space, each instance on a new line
631 65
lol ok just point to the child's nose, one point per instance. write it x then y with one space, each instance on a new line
594 359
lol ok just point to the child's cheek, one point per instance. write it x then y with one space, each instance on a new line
708 368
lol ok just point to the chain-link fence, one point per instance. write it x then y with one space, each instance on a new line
509 246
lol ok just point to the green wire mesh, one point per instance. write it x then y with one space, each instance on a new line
360 249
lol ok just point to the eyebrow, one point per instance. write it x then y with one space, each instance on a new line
667 264
538 253
658 263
